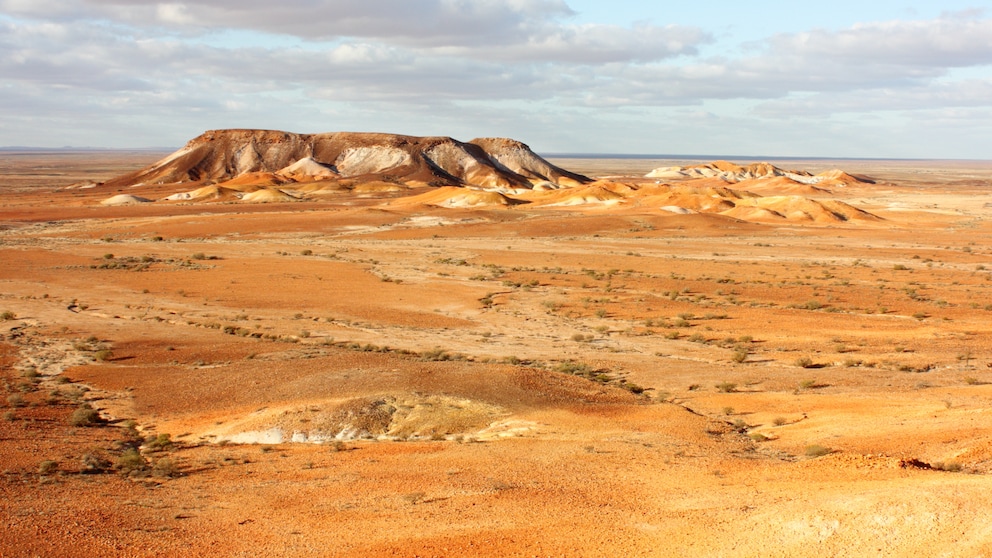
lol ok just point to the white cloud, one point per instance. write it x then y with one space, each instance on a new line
406 59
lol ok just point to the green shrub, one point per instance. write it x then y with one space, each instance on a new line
804 362
7 315
726 387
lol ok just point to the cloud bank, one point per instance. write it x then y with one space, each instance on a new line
171 69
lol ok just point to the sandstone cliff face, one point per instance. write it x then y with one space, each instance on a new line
221 155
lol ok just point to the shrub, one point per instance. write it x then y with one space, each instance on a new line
93 462
7 315
758 437
632 388
103 355
572 367
48 467
740 354
808 384
160 442
779 421
130 462
165 468
804 362
16 400
726 387
199 256
816 450
84 415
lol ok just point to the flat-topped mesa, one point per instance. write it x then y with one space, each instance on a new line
222 155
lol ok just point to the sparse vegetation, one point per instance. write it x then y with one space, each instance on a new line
131 462
165 467
804 362
48 467
740 354
726 387
84 415
816 450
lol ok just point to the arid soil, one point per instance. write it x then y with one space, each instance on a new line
372 373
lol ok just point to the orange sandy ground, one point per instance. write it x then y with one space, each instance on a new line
870 340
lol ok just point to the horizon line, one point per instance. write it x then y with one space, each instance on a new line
554 155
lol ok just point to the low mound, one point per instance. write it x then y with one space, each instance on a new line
678 210
254 180
798 208
320 188
268 195
309 168
460 197
124 199
586 195
733 173
781 185
207 193
223 155
377 187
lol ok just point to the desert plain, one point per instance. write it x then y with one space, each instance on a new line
375 371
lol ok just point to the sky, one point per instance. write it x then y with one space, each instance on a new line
871 79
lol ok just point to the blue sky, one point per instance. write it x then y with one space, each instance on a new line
841 79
